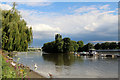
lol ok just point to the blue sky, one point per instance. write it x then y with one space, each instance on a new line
59 0
63 7
87 21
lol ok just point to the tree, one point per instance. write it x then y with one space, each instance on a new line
58 36
75 46
15 33
49 47
119 45
113 45
88 46
0 31
81 44
67 45
98 46
58 43
105 45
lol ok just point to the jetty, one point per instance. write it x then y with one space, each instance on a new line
109 53
34 49
102 53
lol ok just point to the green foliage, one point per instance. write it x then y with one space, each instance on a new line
75 46
88 46
10 72
49 47
58 36
67 45
7 71
113 45
15 34
60 45
105 45
98 46
118 45
81 44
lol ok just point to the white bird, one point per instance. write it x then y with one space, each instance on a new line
35 66
50 75
13 64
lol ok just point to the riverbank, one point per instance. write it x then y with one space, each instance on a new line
25 71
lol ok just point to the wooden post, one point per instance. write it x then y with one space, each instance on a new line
113 56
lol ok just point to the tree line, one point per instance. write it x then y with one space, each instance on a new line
67 45
16 36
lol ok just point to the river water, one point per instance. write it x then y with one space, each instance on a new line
69 65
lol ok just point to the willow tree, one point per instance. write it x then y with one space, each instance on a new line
16 36
0 30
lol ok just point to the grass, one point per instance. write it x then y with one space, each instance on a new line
8 71
19 72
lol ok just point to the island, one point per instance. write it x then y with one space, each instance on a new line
66 45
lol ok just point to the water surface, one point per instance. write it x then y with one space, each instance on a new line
70 66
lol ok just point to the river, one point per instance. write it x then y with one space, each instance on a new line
69 65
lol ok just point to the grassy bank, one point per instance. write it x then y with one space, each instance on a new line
18 71
7 70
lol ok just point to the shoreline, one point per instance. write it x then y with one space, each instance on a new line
33 74
30 73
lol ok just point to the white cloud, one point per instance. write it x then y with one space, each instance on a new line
45 27
85 9
36 3
95 21
91 27
105 7
5 6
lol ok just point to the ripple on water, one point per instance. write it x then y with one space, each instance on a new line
69 66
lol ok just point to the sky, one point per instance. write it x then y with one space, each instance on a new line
59 0
87 21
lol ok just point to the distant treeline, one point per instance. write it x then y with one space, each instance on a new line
15 33
67 45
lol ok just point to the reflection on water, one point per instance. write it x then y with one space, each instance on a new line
61 59
70 66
